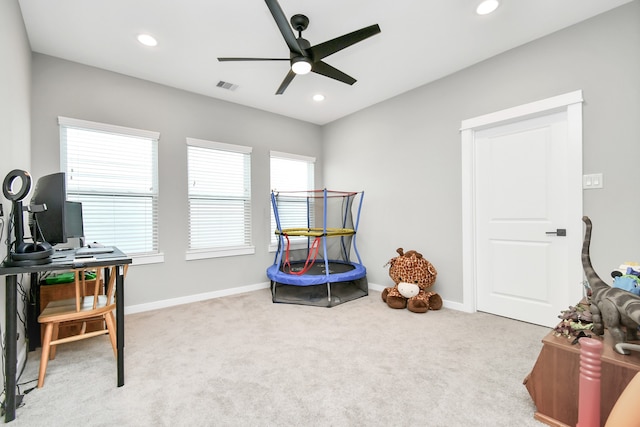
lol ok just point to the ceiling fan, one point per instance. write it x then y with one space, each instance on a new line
304 57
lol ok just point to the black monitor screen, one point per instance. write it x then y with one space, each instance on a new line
49 225
73 220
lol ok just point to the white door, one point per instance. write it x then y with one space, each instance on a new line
527 222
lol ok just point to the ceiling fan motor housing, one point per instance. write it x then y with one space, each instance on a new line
299 22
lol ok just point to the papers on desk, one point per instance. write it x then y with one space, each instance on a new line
94 250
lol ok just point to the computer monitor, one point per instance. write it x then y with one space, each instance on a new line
47 208
73 224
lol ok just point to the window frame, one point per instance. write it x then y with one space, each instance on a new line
222 251
64 123
295 242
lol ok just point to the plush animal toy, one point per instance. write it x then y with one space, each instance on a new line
412 274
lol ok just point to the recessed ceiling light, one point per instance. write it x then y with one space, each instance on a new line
318 97
487 6
147 40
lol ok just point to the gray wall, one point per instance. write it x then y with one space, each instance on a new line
405 152
63 88
15 97
15 118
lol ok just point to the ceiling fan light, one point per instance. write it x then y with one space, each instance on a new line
487 6
301 65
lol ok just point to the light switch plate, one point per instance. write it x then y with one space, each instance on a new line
592 181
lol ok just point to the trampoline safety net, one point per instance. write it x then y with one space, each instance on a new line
317 260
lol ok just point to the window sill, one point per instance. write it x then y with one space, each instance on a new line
273 247
219 253
148 259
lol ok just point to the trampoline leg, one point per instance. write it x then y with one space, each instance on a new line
273 291
328 294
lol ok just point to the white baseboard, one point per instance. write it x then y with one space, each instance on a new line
140 308
453 305
458 306
375 287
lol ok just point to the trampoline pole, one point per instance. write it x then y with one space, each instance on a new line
310 206
359 209
324 235
346 211
355 246
274 204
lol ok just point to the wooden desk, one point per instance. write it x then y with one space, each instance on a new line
553 382
116 258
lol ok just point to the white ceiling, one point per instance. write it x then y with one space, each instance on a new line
421 41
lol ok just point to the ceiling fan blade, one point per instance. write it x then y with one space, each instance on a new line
283 25
253 59
327 70
285 83
327 48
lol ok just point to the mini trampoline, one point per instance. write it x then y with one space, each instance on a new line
316 234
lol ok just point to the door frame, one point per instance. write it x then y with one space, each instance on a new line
571 103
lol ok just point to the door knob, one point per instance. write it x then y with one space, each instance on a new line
558 232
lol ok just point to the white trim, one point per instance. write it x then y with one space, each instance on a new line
569 102
529 110
468 220
289 156
104 127
219 145
139 308
147 259
445 303
219 253
156 305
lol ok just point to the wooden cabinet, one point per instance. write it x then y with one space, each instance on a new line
553 382
62 291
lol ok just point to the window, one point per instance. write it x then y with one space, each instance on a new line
113 172
290 172
219 181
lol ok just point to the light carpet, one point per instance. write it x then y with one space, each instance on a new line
243 361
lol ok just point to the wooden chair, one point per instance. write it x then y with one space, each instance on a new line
80 309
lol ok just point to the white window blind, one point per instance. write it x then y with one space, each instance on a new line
291 172
113 172
219 182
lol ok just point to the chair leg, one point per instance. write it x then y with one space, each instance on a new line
54 337
111 327
44 358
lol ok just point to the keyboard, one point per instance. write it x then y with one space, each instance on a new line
94 251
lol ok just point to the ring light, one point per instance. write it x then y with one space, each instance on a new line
23 253
7 186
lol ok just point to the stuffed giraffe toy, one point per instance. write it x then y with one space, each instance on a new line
412 275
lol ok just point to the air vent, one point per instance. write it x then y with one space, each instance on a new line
227 85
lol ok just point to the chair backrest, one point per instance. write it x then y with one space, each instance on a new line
81 286
109 291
